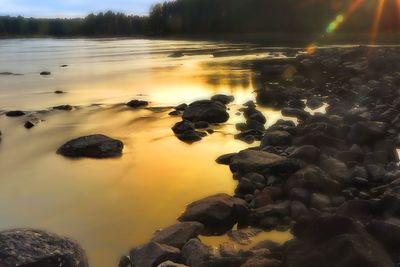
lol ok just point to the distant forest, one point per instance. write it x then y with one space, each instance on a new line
214 17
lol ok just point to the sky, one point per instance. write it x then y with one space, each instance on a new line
72 8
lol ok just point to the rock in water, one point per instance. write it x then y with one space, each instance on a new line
152 254
206 110
15 113
92 146
63 107
177 235
32 248
137 103
45 73
224 99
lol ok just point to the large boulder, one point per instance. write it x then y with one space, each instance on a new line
334 241
206 110
196 254
92 146
152 254
177 235
218 213
33 248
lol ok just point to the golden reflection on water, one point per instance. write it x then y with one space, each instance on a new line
111 205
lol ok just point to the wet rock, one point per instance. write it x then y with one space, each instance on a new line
228 250
191 136
137 103
171 264
92 146
225 159
336 169
196 254
243 237
64 66
298 210
387 233
320 201
276 138
201 125
181 107
59 92
367 131
297 113
15 113
206 110
218 213
45 73
182 127
177 235
224 99
245 186
63 107
334 241
31 123
152 254
26 247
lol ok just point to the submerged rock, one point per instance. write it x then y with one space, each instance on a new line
224 99
33 248
92 146
45 73
64 107
206 110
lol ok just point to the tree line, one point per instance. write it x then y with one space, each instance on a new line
215 17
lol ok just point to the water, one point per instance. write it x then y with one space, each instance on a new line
109 206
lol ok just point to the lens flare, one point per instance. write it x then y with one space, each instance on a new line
377 21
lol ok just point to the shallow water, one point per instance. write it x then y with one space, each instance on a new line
111 205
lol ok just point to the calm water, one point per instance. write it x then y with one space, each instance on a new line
111 205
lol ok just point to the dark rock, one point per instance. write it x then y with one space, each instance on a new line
367 131
124 261
225 159
224 99
298 209
201 125
314 103
63 107
247 161
33 248
218 213
45 73
195 253
152 254
64 66
307 153
260 261
182 127
336 169
181 107
30 123
177 54
171 264
387 233
228 250
297 113
137 103
175 113
92 146
58 92
177 235
191 136
334 241
245 186
206 110
320 201
276 138
15 113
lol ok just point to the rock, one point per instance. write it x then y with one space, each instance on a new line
314 103
224 99
218 213
206 110
30 124
137 103
245 186
33 248
320 201
227 249
297 113
191 136
177 235
181 107
171 264
15 113
152 254
182 127
247 161
177 54
201 125
367 131
243 237
124 261
387 233
298 210
225 159
58 92
336 169
276 138
64 66
195 253
63 107
92 146
334 241
45 73
260 261
307 153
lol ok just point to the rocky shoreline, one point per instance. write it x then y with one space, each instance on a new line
331 179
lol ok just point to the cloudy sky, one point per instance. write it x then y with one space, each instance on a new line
71 8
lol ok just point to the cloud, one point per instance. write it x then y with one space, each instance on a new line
71 8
